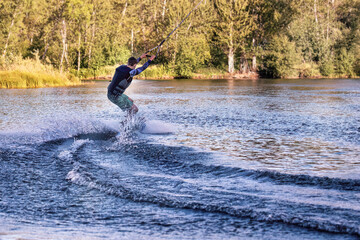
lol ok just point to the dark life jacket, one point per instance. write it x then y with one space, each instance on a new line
120 81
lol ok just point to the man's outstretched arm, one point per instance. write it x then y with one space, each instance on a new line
143 67
141 57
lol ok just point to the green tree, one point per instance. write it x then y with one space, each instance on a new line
345 63
234 26
280 58
349 15
194 52
271 17
78 13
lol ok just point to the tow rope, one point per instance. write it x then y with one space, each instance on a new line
159 46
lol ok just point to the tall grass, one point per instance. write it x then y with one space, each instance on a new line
102 72
210 71
31 73
158 72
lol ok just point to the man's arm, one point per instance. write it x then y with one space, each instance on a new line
142 68
141 57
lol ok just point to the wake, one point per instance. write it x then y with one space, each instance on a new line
57 128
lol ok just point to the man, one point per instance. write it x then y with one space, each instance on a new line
121 81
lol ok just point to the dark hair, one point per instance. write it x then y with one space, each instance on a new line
132 61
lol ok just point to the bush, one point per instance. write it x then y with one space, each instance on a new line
192 54
280 58
357 67
306 70
345 62
327 68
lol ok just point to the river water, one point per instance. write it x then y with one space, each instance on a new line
268 159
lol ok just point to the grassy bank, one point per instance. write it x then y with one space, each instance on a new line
30 73
164 72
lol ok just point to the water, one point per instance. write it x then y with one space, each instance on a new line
269 159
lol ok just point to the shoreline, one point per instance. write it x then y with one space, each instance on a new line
226 76
63 82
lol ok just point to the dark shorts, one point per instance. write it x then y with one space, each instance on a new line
122 101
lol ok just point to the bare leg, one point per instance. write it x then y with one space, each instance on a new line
133 110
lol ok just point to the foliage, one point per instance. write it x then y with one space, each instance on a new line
234 27
308 70
327 68
280 58
345 63
84 36
193 53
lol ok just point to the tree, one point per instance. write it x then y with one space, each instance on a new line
349 15
280 58
78 14
194 52
235 24
270 17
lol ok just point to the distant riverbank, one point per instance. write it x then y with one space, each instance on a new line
196 76
30 73
161 72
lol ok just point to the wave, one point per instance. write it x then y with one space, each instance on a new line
240 205
281 178
157 156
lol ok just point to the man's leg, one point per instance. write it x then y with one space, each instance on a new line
124 102
133 110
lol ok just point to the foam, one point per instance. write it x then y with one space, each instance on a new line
158 127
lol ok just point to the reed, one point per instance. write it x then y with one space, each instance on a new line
31 73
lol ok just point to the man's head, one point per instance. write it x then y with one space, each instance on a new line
132 62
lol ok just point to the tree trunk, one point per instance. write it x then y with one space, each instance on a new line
164 9
315 11
79 54
231 51
49 37
330 7
175 48
143 33
254 63
132 41
64 54
92 34
8 37
244 65
231 60
46 49
124 10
